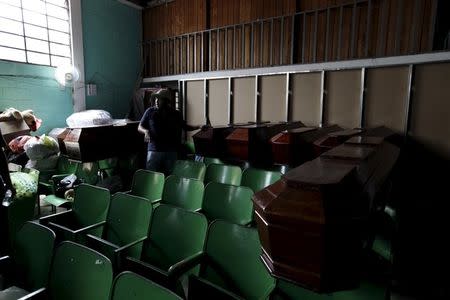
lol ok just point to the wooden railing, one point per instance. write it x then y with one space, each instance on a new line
359 29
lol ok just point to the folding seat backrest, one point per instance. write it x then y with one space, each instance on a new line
228 202
183 192
189 169
78 272
128 220
257 179
223 174
90 204
130 286
234 251
175 234
148 184
32 254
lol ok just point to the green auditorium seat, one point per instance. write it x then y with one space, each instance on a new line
183 192
126 225
90 206
148 184
257 179
63 167
130 286
86 172
189 169
26 270
176 238
211 160
223 174
77 273
228 202
231 267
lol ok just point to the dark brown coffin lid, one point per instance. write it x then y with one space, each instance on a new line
350 153
365 140
319 172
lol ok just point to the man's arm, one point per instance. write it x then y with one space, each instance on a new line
145 132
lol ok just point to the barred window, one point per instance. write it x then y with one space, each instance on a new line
35 31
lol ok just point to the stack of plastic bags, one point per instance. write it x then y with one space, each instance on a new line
43 153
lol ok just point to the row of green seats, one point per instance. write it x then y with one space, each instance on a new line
216 200
255 179
72 271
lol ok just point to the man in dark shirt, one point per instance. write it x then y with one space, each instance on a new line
163 126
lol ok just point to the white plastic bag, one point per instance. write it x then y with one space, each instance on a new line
89 118
38 148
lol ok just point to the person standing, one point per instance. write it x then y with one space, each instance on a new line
162 126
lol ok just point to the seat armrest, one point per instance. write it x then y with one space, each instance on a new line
125 247
40 294
55 217
147 270
90 227
181 267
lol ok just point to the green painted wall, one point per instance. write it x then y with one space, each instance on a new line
112 37
25 86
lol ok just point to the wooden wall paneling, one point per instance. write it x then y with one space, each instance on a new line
244 99
430 111
195 104
247 46
218 101
360 29
306 94
273 98
424 27
342 104
386 97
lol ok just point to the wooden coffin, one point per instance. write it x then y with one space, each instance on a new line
311 222
295 146
101 142
252 142
334 139
211 141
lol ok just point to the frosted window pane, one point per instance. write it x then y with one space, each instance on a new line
38 58
10 12
57 24
34 5
11 40
58 12
36 32
34 18
60 49
12 2
36 45
59 37
62 3
58 61
12 54
11 26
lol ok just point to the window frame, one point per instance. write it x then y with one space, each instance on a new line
49 42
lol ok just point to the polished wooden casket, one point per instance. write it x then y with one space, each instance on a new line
295 146
334 139
100 142
210 142
252 142
312 222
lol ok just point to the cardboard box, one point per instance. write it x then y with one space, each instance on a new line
13 129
